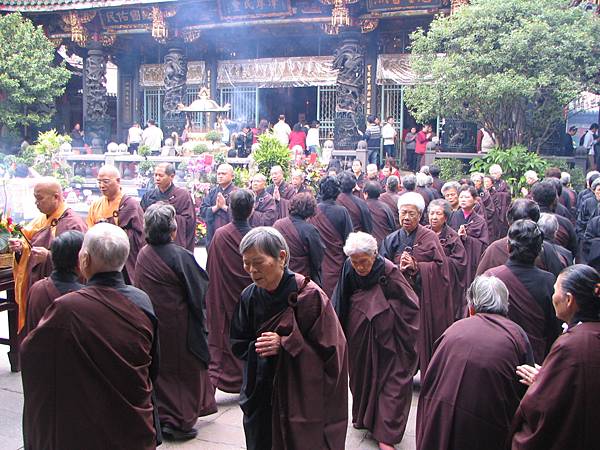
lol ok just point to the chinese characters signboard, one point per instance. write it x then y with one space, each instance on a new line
240 9
126 16
384 5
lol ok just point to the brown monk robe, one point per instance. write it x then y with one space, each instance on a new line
391 195
32 262
380 316
179 198
177 286
215 205
356 206
297 399
334 225
227 280
281 191
119 209
501 196
383 218
470 391
428 274
265 212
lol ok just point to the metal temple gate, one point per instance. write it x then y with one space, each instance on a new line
243 101
153 99
326 96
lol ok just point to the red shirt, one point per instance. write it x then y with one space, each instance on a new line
297 138
421 142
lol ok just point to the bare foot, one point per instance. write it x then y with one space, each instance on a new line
383 446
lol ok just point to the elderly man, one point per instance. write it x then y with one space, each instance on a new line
530 288
501 197
121 210
419 255
63 279
227 281
177 287
559 257
357 207
179 198
281 191
439 212
383 218
470 392
215 205
299 182
265 208
89 366
31 251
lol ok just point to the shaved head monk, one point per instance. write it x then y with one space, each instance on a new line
32 262
215 206
89 366
119 209
179 198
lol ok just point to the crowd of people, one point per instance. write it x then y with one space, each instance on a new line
358 285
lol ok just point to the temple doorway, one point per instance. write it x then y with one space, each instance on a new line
296 103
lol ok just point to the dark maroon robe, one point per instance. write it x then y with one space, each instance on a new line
383 219
43 293
457 265
530 304
470 391
131 219
299 398
334 225
501 197
183 389
265 211
286 192
227 280
475 243
358 210
485 208
431 283
185 213
306 247
560 410
380 317
87 370
215 220
391 199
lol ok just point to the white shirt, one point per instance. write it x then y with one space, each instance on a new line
388 133
134 135
588 142
152 137
312 137
282 132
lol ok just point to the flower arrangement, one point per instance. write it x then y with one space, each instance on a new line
201 232
8 229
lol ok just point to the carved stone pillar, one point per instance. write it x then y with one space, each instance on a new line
175 79
96 122
349 60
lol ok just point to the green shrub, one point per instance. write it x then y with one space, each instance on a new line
146 168
271 152
199 149
241 177
213 136
515 161
450 168
144 150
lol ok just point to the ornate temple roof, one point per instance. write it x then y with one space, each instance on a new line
64 5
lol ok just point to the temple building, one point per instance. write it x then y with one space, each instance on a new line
336 61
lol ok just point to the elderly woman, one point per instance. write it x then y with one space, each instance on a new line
450 193
470 393
560 408
295 376
420 257
556 257
334 225
472 229
379 313
485 205
176 285
306 247
530 288
439 212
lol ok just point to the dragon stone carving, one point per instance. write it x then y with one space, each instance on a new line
175 64
96 119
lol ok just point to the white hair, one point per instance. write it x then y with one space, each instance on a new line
595 184
531 174
548 224
372 167
565 178
111 170
360 242
412 198
495 168
260 177
450 185
276 168
295 173
108 247
488 294
476 176
421 179
590 174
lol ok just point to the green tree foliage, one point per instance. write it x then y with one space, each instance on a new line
271 152
29 79
450 168
511 65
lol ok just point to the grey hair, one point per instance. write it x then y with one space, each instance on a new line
531 174
259 176
444 204
565 178
276 168
360 242
495 168
595 184
476 176
412 198
590 174
488 294
159 223
107 245
266 240
450 185
548 224
422 179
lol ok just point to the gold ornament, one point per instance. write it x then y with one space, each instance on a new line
159 30
368 25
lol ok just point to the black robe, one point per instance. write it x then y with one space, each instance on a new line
383 219
286 192
565 235
358 210
219 218
265 210
587 211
